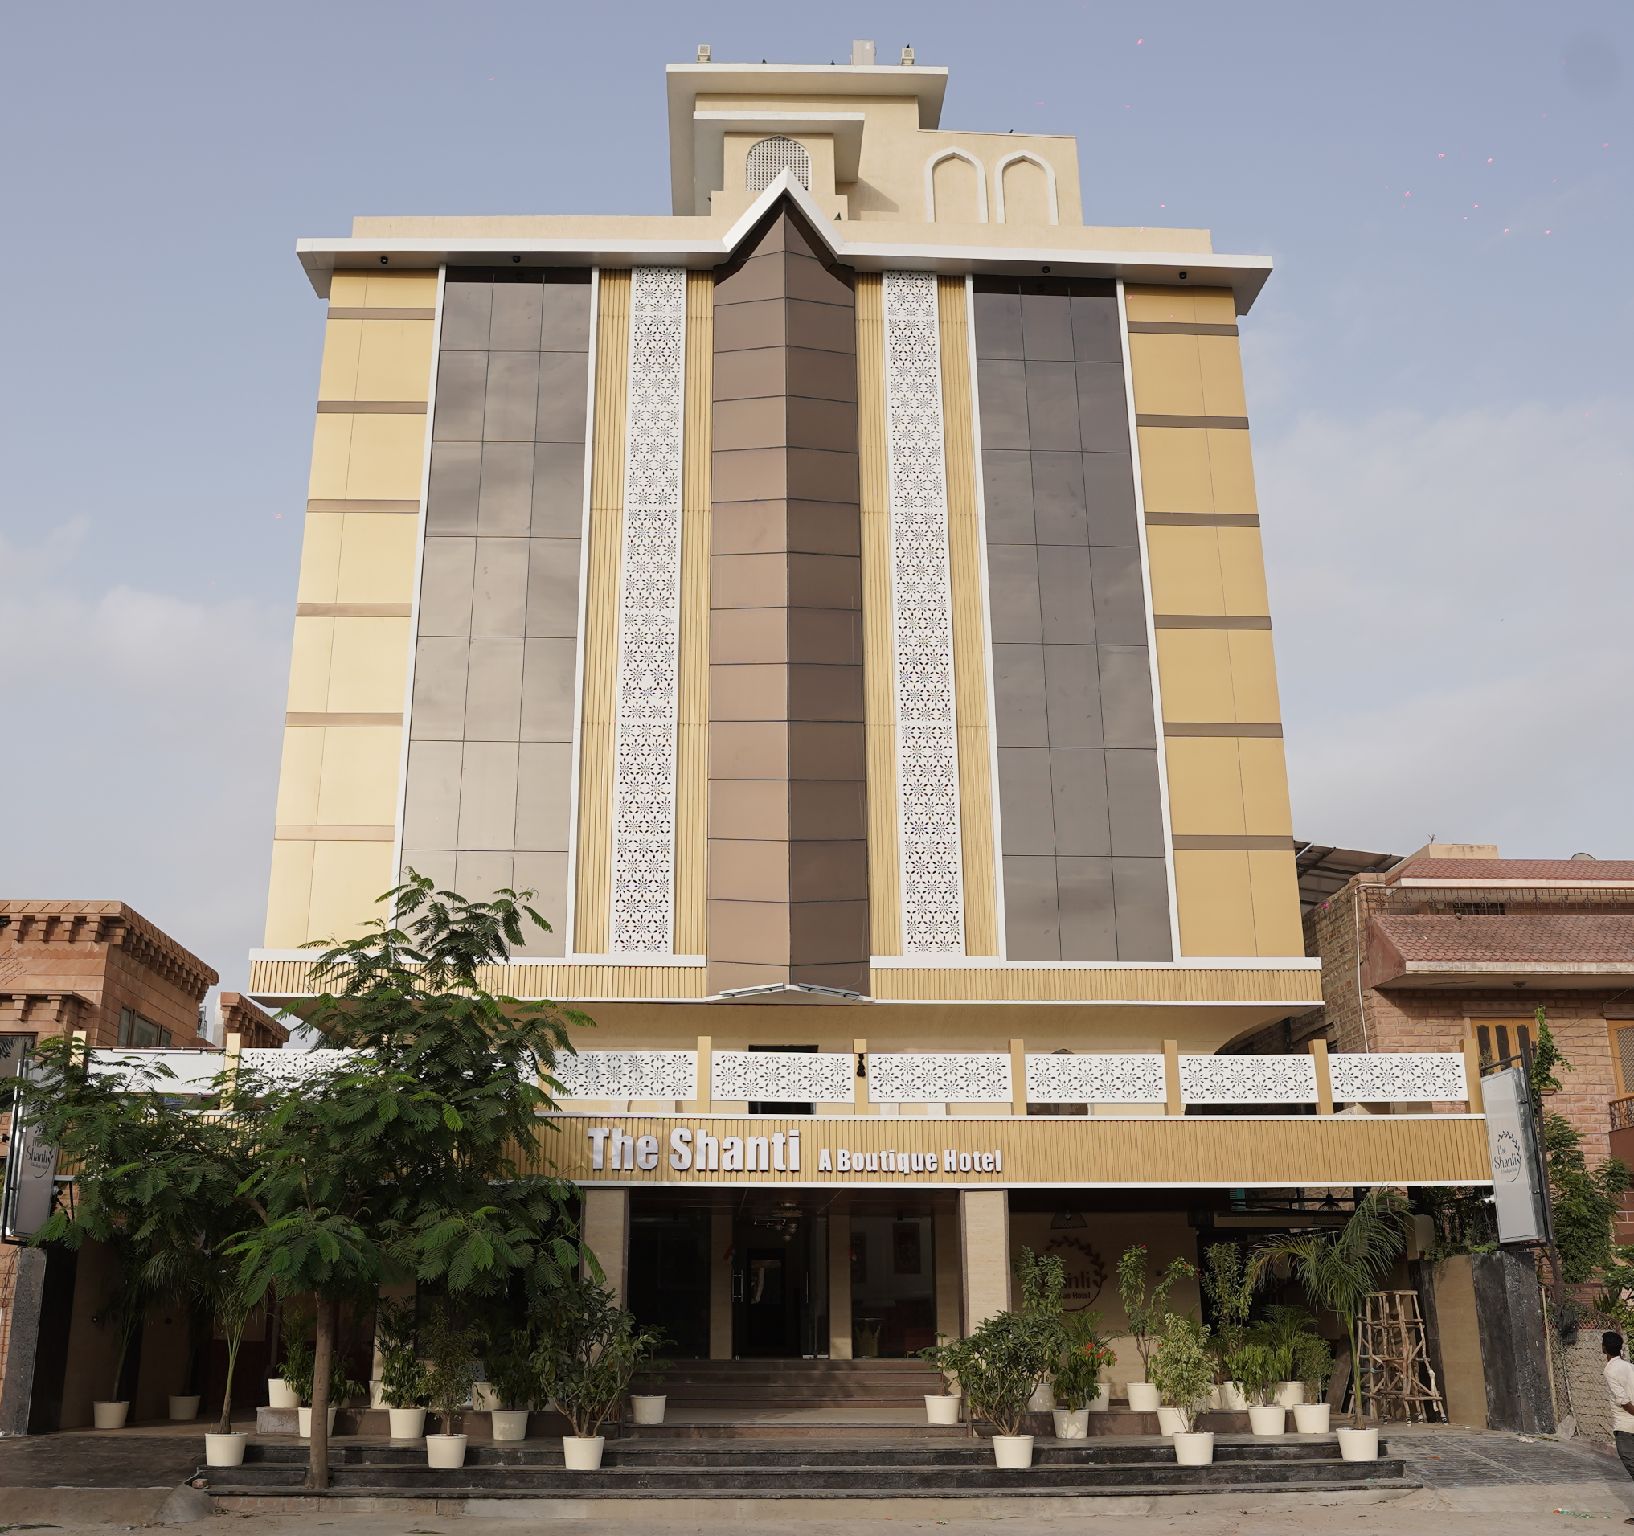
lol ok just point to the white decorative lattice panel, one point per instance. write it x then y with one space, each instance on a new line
783 1077
922 621
171 1072
944 1078
283 1068
1247 1080
768 159
1397 1077
649 619
628 1075
1104 1079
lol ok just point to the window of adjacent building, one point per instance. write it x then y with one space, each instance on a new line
771 157
13 1048
1500 1040
142 1033
1622 1054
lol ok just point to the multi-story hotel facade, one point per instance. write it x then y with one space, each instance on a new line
841 600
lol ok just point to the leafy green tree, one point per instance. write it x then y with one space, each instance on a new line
409 1158
1145 1308
1339 1267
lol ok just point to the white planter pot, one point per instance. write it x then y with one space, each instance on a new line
280 1394
109 1415
1290 1394
1170 1421
648 1407
1043 1398
303 1422
582 1453
941 1409
1269 1420
1195 1449
1231 1397
1013 1452
225 1450
1311 1418
482 1397
407 1423
445 1452
1072 1423
1102 1399
1143 1397
1359 1444
509 1423
1214 1396
184 1407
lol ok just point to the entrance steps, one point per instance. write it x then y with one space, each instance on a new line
653 1468
711 1384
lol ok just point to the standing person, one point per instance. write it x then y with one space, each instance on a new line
1620 1384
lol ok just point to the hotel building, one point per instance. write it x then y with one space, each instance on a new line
841 599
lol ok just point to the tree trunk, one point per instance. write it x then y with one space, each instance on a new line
323 1356
225 1427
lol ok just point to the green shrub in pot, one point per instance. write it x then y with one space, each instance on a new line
1182 1367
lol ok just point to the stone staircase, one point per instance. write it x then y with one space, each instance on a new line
650 1467
794 1384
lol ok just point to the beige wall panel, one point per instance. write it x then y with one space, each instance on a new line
1185 570
692 762
359 775
1172 305
394 360
1274 883
1167 374
387 457
1194 668
1205 786
879 699
969 628
376 558
320 557
1216 903
348 290
1231 470
1242 570
310 651
1253 675
299 771
369 665
346 878
600 640
289 895
331 454
1214 306
1264 787
1221 370
1174 469
383 290
337 375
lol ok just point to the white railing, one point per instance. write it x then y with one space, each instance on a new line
893 1077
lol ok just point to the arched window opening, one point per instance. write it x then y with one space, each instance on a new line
771 157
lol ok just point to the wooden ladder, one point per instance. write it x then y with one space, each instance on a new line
1394 1377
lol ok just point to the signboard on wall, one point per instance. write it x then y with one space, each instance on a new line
31 1171
1517 1171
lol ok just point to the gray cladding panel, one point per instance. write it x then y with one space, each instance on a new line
1079 795
491 727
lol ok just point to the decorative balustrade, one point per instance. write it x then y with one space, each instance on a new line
1168 1079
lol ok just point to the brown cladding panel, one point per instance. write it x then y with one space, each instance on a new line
787 813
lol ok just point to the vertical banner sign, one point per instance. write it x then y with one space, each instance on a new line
1517 1178
31 1170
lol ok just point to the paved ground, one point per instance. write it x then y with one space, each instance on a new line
1475 1485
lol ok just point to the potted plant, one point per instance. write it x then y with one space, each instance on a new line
513 1379
999 1365
1313 1363
300 1369
1228 1282
1338 1268
293 1322
590 1349
122 1313
1145 1308
942 1407
1042 1280
648 1407
452 1370
224 1446
1079 1383
405 1386
1183 1373
1254 1364
1282 1330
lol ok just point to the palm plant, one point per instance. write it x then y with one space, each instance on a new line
1340 1267
234 1305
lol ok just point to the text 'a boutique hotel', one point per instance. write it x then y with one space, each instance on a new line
841 599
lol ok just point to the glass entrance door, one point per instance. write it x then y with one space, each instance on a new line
779 1282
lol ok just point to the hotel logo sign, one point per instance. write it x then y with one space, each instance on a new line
694 1149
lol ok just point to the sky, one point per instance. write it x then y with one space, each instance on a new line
1438 372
